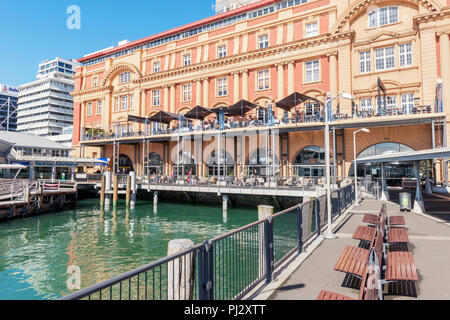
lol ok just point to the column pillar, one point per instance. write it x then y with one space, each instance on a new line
83 113
198 92
291 77
281 90
166 98
236 88
206 92
106 113
172 98
444 47
245 84
333 74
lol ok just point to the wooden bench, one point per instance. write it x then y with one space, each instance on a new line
365 233
353 260
393 234
400 267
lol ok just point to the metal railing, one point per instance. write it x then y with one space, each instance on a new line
317 117
226 267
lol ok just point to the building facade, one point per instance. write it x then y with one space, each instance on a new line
393 57
45 106
8 107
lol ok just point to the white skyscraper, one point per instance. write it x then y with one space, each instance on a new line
45 106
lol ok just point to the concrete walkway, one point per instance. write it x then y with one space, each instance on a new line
430 243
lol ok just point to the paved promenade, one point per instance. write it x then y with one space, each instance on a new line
430 243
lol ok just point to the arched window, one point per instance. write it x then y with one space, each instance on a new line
154 164
395 172
310 162
226 162
263 163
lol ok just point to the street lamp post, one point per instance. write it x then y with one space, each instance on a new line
355 162
329 234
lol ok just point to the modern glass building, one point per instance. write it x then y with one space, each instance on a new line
8 107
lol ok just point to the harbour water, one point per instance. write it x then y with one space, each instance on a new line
35 252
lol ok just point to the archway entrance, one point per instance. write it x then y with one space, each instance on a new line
154 164
226 162
263 162
185 164
310 162
125 164
395 172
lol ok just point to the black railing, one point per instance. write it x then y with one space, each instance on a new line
227 267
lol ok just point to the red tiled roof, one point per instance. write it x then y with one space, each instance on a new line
221 16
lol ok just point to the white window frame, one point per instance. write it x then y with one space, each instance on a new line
222 51
391 102
186 92
123 103
381 55
99 107
156 98
312 71
89 109
117 104
222 87
383 16
263 79
365 104
312 29
407 101
263 41
405 54
125 77
95 81
187 60
156 67
365 62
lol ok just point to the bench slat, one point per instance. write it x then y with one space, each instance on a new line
400 266
328 295
398 235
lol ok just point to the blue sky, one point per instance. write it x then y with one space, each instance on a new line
34 30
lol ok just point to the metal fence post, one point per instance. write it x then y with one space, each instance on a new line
268 247
206 272
300 228
317 209
339 202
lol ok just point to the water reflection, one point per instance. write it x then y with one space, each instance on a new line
35 252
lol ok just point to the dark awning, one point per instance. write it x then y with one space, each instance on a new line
137 119
198 113
294 100
164 117
241 108
5 148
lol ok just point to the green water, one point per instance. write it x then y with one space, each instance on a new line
36 251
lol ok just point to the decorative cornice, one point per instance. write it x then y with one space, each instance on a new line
433 16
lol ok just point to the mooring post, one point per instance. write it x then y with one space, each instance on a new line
264 213
108 180
180 272
155 201
102 191
127 201
133 189
225 207
116 191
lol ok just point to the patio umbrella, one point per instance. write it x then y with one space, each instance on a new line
241 108
294 100
164 117
198 113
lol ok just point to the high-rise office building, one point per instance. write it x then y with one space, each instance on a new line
45 105
8 107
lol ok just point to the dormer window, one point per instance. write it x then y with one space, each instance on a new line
383 16
125 77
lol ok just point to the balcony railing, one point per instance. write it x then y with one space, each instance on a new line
300 118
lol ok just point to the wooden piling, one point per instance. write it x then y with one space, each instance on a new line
102 191
116 191
264 212
128 191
